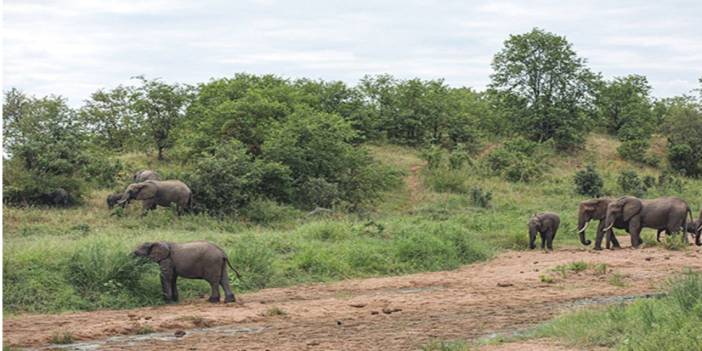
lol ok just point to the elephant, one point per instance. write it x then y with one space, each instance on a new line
113 198
159 193
666 213
546 224
58 197
596 209
145 175
694 228
192 260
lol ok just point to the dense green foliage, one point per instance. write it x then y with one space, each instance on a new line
545 88
668 323
588 182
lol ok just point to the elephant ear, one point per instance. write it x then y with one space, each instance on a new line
146 191
631 208
159 252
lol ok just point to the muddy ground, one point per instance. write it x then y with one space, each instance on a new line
504 295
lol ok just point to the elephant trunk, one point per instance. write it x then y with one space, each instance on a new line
532 237
582 225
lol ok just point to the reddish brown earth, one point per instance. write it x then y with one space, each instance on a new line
503 295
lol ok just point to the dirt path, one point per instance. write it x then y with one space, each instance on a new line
391 313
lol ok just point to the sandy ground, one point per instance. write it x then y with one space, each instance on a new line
503 295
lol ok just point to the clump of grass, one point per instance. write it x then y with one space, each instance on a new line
666 323
546 278
674 243
62 338
443 345
576 267
617 280
275 311
144 329
600 268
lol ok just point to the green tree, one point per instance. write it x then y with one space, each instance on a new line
112 120
624 105
162 107
545 87
683 127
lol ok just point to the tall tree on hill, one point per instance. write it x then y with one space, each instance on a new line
162 107
545 87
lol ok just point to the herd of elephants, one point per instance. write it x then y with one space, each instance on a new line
204 260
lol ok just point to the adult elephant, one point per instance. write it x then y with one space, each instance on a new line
155 193
666 213
145 175
596 209
194 260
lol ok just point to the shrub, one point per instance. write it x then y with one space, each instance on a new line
433 155
634 150
317 192
630 183
446 180
588 182
459 156
516 160
684 159
480 197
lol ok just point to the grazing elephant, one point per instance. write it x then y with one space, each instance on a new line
193 260
666 213
596 209
546 224
112 200
145 175
159 193
58 197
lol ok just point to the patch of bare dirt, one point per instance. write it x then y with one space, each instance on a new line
390 313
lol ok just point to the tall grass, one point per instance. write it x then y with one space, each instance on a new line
669 323
77 258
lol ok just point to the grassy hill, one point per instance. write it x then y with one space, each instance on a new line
77 258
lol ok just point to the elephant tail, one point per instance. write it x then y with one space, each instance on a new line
234 269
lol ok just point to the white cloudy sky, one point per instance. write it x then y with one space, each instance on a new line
74 47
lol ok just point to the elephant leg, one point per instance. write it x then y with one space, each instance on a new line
214 285
148 205
658 235
167 275
224 282
615 242
697 239
543 240
635 233
600 235
174 288
549 239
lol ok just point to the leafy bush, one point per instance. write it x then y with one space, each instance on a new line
446 180
480 197
631 183
634 150
684 159
317 192
518 160
433 155
588 182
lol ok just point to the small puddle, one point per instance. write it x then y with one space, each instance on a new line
134 340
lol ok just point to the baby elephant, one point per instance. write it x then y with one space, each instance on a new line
694 228
546 224
113 198
194 260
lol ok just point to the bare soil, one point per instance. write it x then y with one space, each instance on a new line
503 295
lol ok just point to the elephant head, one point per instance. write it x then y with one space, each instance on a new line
139 191
534 225
113 199
156 252
624 208
587 211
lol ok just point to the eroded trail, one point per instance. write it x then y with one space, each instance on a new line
392 313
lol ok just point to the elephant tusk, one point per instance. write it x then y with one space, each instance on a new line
608 228
585 227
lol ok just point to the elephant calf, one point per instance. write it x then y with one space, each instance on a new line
694 228
154 193
546 224
194 260
113 199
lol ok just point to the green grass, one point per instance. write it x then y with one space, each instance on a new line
77 258
442 345
668 323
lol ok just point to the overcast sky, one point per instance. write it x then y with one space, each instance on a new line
75 47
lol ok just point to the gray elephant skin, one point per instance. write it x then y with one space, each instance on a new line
546 225
666 213
596 209
145 175
113 198
193 260
154 193
694 228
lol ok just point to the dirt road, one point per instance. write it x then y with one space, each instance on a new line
503 295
